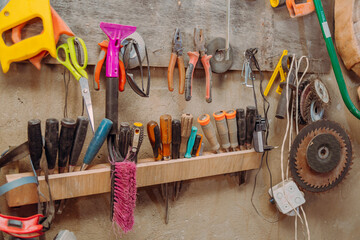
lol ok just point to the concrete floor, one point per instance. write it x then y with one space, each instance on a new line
208 208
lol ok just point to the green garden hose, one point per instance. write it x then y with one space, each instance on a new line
334 60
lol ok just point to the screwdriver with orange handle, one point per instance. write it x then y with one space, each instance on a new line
153 131
176 56
101 59
209 131
166 135
232 127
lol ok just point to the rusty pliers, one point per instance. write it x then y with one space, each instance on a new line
199 41
176 55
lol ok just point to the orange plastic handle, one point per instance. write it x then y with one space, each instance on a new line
122 77
181 66
194 57
170 75
205 60
101 59
300 9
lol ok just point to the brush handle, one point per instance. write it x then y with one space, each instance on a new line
98 140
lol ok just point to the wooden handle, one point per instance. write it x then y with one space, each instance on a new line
205 60
171 72
181 66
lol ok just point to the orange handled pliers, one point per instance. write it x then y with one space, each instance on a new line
176 56
101 59
199 40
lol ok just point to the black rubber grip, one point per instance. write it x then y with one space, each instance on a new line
282 104
82 124
188 82
250 123
124 138
241 125
141 138
112 95
67 131
196 145
35 142
157 146
51 141
176 138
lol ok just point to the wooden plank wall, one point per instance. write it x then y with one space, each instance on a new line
254 23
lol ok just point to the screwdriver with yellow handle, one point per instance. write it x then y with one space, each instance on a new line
186 124
166 135
153 131
209 131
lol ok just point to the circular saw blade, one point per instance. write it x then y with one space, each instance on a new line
303 174
301 88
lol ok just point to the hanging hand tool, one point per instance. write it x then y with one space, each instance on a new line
73 49
199 40
250 125
222 129
241 126
137 137
60 27
246 72
176 56
153 131
101 59
191 142
232 126
166 131
79 139
51 143
35 143
197 145
124 139
281 109
67 131
175 150
209 131
97 141
186 124
278 70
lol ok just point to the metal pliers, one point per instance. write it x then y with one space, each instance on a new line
176 55
199 41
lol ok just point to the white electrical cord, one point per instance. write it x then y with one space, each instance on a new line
289 131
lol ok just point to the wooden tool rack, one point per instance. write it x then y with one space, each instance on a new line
96 179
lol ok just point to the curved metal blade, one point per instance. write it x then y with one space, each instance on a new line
85 92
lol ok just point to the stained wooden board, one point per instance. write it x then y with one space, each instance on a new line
97 179
253 24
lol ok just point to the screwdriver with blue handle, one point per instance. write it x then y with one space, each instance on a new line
191 142
97 141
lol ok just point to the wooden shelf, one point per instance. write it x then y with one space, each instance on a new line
96 179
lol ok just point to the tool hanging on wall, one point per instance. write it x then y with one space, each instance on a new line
278 71
10 16
220 49
74 48
132 54
199 40
295 9
60 27
176 56
320 156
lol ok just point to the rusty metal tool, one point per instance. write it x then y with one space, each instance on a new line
186 124
176 56
199 40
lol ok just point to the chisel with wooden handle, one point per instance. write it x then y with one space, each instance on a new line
186 124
